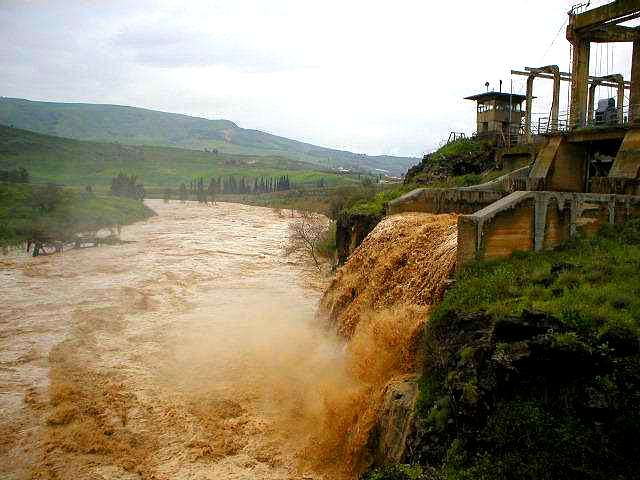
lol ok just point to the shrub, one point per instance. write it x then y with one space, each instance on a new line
396 472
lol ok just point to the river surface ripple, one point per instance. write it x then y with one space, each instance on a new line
159 335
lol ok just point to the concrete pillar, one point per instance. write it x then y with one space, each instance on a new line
529 106
555 102
579 82
634 94
620 100
592 100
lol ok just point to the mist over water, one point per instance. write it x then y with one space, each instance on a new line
194 351
198 332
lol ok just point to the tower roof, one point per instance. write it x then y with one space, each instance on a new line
516 98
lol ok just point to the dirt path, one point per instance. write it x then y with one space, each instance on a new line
176 356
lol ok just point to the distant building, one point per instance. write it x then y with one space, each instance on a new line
499 116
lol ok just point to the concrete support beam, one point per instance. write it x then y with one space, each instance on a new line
615 12
554 71
579 83
542 168
626 166
620 100
634 94
528 108
566 77
613 34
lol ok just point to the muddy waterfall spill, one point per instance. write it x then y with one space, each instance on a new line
193 352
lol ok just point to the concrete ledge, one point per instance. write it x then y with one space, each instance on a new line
448 200
530 220
505 183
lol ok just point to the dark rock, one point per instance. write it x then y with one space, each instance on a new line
528 325
622 340
396 421
351 230
562 267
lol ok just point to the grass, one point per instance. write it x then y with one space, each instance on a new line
79 163
589 284
455 164
464 146
29 213
376 205
457 181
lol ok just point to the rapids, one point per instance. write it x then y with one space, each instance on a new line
186 353
194 350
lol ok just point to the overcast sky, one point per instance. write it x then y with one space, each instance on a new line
367 76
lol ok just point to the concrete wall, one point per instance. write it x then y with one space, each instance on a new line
515 157
454 200
568 173
513 229
560 166
537 221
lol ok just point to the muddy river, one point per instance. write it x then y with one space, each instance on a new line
189 352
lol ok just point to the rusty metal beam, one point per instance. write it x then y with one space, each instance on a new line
613 34
566 77
614 12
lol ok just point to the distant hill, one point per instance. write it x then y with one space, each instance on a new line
139 126
74 162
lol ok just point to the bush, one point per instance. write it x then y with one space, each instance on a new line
397 472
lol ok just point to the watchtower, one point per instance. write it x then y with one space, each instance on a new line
499 115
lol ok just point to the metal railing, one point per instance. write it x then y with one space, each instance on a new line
542 125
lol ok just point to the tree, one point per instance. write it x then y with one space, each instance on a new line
20 175
212 190
200 192
45 199
306 233
127 186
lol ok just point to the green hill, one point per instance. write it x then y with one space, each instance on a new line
138 126
74 162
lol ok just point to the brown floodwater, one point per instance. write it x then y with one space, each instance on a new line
189 352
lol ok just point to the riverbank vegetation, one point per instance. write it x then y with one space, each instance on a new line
48 214
532 368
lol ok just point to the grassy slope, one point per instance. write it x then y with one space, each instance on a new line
464 159
137 126
73 162
590 285
73 213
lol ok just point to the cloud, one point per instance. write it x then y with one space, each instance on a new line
171 45
365 75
